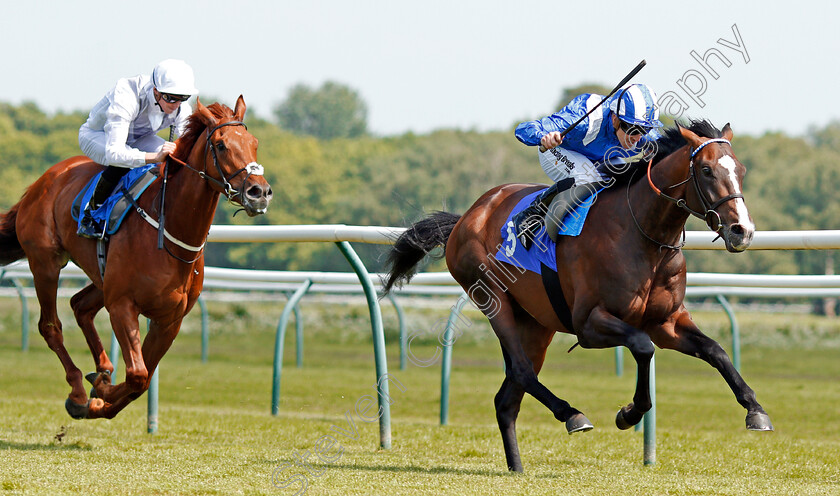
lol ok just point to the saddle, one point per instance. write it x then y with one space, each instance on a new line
116 207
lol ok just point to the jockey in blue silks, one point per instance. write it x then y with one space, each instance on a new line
589 154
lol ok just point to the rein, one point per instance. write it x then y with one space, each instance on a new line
709 214
633 216
228 190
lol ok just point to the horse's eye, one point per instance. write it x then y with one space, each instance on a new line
707 171
220 146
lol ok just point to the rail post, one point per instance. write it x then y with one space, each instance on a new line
378 341
279 338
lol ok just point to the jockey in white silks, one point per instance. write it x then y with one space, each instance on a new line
121 131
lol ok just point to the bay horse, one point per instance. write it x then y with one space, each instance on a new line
215 156
622 279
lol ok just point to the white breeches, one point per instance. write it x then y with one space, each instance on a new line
92 143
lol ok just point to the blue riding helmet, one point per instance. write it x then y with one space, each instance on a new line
636 104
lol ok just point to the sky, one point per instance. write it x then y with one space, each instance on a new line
420 66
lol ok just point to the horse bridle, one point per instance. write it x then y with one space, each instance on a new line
709 215
251 169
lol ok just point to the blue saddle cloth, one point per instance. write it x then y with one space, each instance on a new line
542 251
103 213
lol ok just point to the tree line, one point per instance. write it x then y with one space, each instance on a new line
324 173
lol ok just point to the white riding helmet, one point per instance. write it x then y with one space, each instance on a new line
174 77
636 104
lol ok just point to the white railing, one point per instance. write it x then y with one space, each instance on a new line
431 283
695 240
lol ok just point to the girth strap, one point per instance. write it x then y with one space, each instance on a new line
155 224
551 283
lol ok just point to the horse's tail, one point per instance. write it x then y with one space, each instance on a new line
10 249
414 244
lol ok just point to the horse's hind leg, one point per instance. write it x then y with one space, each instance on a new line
86 303
687 338
46 287
513 330
507 402
535 340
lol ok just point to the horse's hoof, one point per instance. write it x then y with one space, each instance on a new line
92 393
759 422
91 377
76 410
578 423
620 421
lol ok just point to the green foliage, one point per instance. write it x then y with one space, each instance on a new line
332 111
792 184
569 94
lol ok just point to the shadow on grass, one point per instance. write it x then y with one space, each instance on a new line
417 470
490 472
4 445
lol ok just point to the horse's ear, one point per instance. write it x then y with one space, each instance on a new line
689 136
239 110
727 132
205 115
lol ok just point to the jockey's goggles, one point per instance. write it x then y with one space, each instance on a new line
633 129
171 98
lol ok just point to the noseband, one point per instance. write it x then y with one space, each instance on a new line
709 214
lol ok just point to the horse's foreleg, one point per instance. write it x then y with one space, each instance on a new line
124 320
604 330
86 303
99 408
155 345
687 338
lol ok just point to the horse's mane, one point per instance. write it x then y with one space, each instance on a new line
670 141
195 127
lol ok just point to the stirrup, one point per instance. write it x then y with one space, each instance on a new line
89 228
526 232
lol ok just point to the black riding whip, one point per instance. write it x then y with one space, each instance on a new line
163 192
624 81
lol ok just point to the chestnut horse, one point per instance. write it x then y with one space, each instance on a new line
216 155
623 278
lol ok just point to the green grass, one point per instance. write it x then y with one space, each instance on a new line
216 434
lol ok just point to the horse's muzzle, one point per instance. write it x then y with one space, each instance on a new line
737 237
255 198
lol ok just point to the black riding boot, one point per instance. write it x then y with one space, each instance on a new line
88 227
529 221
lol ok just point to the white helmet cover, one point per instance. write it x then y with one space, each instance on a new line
175 77
636 104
